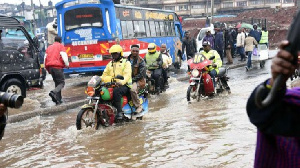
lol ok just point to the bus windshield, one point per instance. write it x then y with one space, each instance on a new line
83 17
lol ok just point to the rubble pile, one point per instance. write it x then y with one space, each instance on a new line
278 22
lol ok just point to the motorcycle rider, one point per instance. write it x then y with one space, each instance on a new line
138 76
154 63
217 63
118 66
167 61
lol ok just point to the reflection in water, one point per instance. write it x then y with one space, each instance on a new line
210 133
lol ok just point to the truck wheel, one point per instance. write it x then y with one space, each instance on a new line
14 86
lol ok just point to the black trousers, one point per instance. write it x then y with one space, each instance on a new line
155 74
118 93
59 80
221 53
165 74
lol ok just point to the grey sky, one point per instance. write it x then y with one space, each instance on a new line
28 2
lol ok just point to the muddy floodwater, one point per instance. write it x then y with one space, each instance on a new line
211 133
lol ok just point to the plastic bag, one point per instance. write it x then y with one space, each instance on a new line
255 52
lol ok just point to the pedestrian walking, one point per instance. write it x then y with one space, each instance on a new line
228 46
210 38
233 34
249 46
240 42
55 60
52 32
254 33
189 45
264 37
219 43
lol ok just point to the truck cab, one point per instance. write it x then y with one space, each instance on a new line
19 58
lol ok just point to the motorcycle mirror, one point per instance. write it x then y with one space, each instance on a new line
212 58
120 77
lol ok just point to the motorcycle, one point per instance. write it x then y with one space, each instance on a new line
201 83
151 82
99 111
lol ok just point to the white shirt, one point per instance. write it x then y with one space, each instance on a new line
240 40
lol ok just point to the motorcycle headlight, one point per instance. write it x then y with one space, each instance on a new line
195 72
90 91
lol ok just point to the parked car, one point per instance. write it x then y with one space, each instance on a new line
19 58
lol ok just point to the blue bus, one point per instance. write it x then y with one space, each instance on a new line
90 27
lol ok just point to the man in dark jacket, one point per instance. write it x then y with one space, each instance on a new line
278 124
233 34
210 38
219 42
138 76
189 44
254 33
228 46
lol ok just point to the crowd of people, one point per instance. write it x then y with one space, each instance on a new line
231 42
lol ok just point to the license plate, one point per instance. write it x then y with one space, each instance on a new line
86 55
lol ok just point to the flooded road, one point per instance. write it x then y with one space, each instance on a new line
211 133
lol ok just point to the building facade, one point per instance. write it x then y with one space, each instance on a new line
192 8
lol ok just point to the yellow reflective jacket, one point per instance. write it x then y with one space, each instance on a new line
122 67
264 37
216 61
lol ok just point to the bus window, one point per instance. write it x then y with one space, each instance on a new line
107 20
139 29
157 28
130 29
162 29
147 29
178 33
124 29
167 29
152 28
172 28
82 17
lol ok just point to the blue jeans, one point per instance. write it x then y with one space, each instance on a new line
213 74
249 59
241 51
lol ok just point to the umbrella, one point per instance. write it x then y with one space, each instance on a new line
246 26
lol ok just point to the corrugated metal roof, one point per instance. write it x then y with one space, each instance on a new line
6 21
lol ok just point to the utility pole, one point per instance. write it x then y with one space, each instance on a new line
42 22
212 11
33 14
206 8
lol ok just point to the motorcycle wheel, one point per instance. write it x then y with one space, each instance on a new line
198 92
85 119
189 92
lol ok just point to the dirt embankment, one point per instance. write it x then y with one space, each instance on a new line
278 22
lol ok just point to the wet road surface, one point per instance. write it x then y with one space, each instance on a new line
211 133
